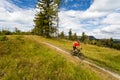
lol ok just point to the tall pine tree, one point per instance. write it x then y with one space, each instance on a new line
83 37
75 36
46 18
70 34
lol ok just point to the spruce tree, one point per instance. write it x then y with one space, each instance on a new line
70 34
46 18
62 35
75 36
83 37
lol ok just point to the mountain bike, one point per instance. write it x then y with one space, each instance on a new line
78 53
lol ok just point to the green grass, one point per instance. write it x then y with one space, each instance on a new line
105 57
25 59
3 38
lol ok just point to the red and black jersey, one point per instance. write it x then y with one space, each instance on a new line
76 44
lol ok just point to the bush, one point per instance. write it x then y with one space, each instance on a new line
3 38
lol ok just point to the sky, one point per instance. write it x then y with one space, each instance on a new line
100 18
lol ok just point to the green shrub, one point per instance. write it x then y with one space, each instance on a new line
3 38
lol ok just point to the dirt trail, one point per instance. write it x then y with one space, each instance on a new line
92 64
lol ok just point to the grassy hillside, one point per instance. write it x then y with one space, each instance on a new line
25 59
105 57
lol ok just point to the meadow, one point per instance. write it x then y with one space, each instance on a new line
102 56
22 58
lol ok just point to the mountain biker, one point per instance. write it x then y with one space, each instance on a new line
77 50
76 45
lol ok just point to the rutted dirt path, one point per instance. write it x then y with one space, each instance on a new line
103 72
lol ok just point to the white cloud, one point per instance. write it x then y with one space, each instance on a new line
76 21
92 14
101 20
84 14
107 31
111 29
12 16
105 5
112 19
69 20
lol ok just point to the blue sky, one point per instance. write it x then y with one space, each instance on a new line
68 4
25 4
76 4
100 18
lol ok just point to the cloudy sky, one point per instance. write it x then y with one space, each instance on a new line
100 18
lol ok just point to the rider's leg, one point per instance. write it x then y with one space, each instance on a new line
74 48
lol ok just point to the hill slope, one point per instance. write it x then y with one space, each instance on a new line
22 57
25 59
105 57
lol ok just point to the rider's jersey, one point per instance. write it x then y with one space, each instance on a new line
75 44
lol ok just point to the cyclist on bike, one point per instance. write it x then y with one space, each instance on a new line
76 45
77 50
